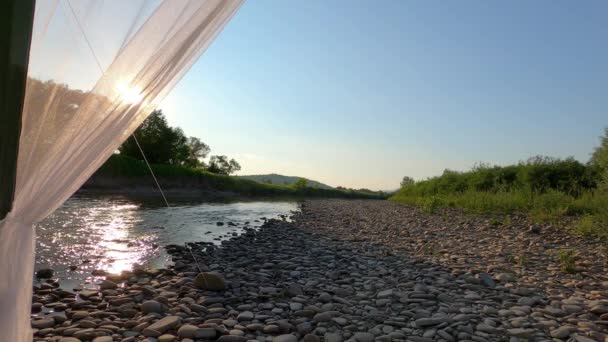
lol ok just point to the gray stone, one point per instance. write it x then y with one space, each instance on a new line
363 337
521 332
322 317
385 294
311 338
166 338
151 306
383 338
162 325
561 332
333 337
210 281
272 329
43 323
285 338
70 339
294 290
205 333
580 338
103 339
187 331
245 316
486 280
232 338
107 285
599 309
425 322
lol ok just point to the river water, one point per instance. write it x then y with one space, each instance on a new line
114 233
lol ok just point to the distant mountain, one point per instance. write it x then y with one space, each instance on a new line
284 180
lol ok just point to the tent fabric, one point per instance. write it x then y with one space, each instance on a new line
97 69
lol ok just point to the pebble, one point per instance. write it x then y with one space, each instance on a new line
285 338
151 306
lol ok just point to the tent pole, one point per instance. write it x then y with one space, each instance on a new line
16 22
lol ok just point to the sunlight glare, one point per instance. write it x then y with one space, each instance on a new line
129 94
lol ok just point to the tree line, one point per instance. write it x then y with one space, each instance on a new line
163 144
537 174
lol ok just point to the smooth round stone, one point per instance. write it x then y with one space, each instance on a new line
311 338
43 323
187 331
363 337
232 338
205 333
130 333
254 327
285 338
70 339
166 338
236 332
151 306
385 338
245 316
332 337
322 317
76 315
229 323
107 285
87 324
103 339
272 329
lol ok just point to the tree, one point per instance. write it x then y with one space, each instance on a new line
599 159
300 184
221 165
164 144
406 181
161 143
198 151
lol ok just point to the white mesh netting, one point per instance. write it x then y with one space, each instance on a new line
97 69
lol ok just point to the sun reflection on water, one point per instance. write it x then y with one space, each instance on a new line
115 239
89 235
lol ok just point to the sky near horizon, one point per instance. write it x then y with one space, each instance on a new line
361 93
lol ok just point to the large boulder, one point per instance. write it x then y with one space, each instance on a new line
210 281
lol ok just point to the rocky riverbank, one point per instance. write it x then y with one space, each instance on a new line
343 271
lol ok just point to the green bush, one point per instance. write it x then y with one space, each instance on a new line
431 204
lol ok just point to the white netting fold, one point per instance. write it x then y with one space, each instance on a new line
97 69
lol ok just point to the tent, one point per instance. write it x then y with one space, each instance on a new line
78 77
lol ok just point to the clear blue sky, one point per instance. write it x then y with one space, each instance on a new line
361 93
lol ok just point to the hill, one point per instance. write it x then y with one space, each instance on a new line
274 178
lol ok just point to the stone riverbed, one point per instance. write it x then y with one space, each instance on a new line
358 271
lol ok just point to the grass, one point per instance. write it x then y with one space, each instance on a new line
545 189
567 260
124 167
589 209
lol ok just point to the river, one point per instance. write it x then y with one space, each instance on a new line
113 233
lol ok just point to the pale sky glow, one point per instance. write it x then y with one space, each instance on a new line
359 93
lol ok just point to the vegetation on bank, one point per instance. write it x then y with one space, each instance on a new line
120 166
168 145
544 188
182 161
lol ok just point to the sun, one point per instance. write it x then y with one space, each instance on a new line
129 94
